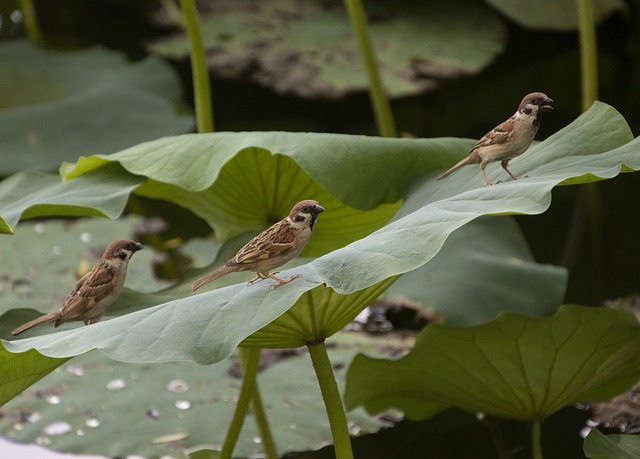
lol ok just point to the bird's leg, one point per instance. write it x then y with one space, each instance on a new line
258 278
280 281
504 165
484 174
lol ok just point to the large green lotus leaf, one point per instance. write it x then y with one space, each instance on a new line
361 171
101 193
239 182
515 366
493 253
245 181
256 189
58 105
206 327
465 282
616 446
309 49
192 404
552 14
322 311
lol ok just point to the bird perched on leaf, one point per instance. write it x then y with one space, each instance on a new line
95 291
509 139
275 246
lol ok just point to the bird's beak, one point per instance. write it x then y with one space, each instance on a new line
545 104
318 209
139 247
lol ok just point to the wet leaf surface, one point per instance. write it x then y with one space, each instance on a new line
46 258
84 404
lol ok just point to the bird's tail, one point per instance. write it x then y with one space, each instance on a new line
51 317
211 277
462 162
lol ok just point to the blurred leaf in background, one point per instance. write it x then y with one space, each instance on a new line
58 105
308 49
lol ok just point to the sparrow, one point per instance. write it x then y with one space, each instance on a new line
509 139
275 246
95 291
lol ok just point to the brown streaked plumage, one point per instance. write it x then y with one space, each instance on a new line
509 139
95 291
275 246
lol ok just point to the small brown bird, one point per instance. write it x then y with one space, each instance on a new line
275 246
95 291
509 139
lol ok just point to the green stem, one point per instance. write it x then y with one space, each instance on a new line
589 83
536 440
260 416
381 106
31 21
588 52
199 70
250 359
497 437
332 400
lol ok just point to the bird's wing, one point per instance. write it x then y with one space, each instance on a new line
499 134
93 287
277 240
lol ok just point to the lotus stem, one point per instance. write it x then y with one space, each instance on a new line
31 21
536 439
589 83
380 102
250 360
268 444
199 70
588 52
332 400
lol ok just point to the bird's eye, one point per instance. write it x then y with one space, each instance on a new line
305 209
